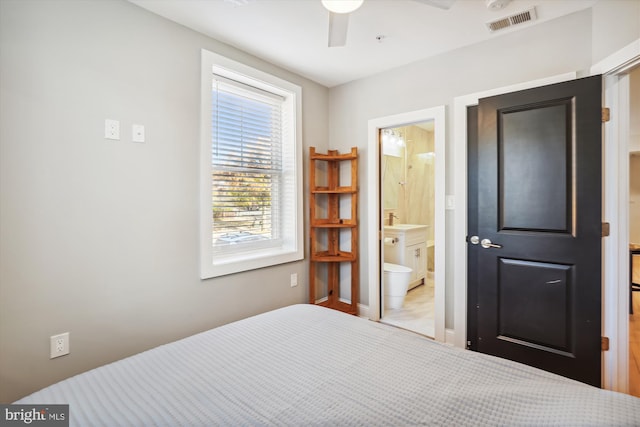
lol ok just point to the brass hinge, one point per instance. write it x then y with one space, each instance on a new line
604 343
606 114
606 229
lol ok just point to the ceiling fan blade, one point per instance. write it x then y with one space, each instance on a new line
338 25
441 4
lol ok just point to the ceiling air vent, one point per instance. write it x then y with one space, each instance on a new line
518 18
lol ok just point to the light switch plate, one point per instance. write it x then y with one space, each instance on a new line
137 133
111 129
451 202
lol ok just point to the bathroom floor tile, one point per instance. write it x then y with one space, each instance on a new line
417 313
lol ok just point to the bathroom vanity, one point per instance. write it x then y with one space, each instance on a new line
409 249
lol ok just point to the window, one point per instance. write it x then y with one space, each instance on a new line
251 178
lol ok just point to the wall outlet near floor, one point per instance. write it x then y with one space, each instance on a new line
294 280
59 345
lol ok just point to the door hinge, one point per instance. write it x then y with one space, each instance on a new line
606 229
606 114
604 343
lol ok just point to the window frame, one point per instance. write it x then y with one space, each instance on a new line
221 264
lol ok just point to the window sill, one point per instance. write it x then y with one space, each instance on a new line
223 265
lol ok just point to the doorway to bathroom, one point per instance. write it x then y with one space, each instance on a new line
406 268
407 174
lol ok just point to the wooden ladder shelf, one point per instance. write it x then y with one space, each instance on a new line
330 229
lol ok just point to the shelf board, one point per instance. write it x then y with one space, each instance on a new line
333 157
339 305
332 225
339 190
326 257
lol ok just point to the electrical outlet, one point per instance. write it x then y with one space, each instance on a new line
59 345
294 280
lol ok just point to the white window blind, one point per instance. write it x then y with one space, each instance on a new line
246 166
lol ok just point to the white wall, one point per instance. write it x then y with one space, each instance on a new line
536 52
616 23
634 198
634 158
634 116
98 237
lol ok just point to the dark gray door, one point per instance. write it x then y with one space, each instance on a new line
539 209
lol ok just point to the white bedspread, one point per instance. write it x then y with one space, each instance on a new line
306 365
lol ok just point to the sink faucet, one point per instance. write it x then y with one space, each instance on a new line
391 216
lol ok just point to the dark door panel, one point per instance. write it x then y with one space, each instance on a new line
539 203
534 167
534 304
472 225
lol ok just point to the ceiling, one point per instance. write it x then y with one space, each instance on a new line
293 34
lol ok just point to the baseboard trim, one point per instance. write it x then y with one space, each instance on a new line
449 336
363 311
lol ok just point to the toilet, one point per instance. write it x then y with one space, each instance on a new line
396 283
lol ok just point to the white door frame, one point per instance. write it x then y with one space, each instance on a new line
374 208
615 307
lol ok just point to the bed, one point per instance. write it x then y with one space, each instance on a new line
309 365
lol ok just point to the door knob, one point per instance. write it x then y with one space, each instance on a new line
474 240
486 243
